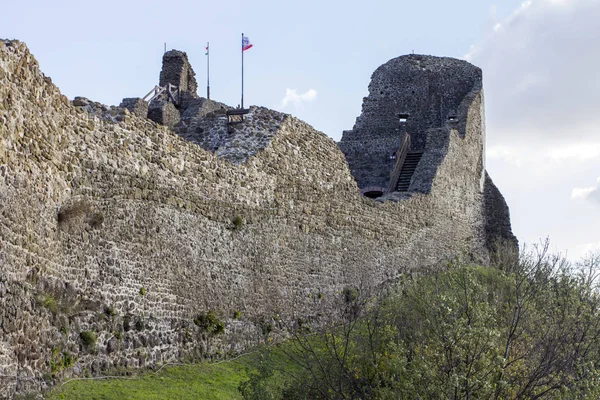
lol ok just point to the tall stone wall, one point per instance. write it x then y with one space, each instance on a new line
126 230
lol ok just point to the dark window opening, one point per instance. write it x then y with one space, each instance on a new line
452 118
403 117
373 194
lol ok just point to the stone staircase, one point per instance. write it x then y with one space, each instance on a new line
408 169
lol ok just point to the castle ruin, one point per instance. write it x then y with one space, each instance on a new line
116 227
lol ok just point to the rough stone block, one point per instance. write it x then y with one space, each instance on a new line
164 113
136 106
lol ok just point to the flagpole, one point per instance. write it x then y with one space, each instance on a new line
208 70
242 47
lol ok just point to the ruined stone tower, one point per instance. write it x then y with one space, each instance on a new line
417 108
178 71
423 96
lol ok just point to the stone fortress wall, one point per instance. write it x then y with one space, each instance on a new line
113 224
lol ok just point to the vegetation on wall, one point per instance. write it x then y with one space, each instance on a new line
526 329
209 323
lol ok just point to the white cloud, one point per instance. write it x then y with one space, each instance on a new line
510 155
292 97
577 151
540 72
591 193
582 192
550 156
541 82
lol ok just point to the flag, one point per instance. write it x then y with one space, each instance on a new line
245 43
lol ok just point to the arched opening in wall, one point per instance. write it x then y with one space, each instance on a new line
373 194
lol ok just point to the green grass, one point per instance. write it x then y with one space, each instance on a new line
210 381
201 381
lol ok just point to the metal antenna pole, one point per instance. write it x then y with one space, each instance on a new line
165 47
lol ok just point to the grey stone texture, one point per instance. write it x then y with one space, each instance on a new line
164 113
120 227
136 106
439 102
176 70
428 91
239 142
497 217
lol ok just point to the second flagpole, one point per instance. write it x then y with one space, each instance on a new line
242 48
208 70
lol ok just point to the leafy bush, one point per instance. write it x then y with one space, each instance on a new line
210 323
110 311
527 330
49 302
88 338
59 361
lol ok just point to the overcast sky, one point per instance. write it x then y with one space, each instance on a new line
314 59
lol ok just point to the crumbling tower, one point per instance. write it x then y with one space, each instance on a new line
177 71
418 107
423 96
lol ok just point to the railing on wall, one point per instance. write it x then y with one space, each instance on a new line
171 90
400 157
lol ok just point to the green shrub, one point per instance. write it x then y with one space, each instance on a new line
143 291
67 360
210 323
88 338
468 332
266 327
49 302
237 314
110 311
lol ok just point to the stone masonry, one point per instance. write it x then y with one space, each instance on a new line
116 228
435 100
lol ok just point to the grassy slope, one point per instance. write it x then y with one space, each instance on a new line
202 381
214 381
